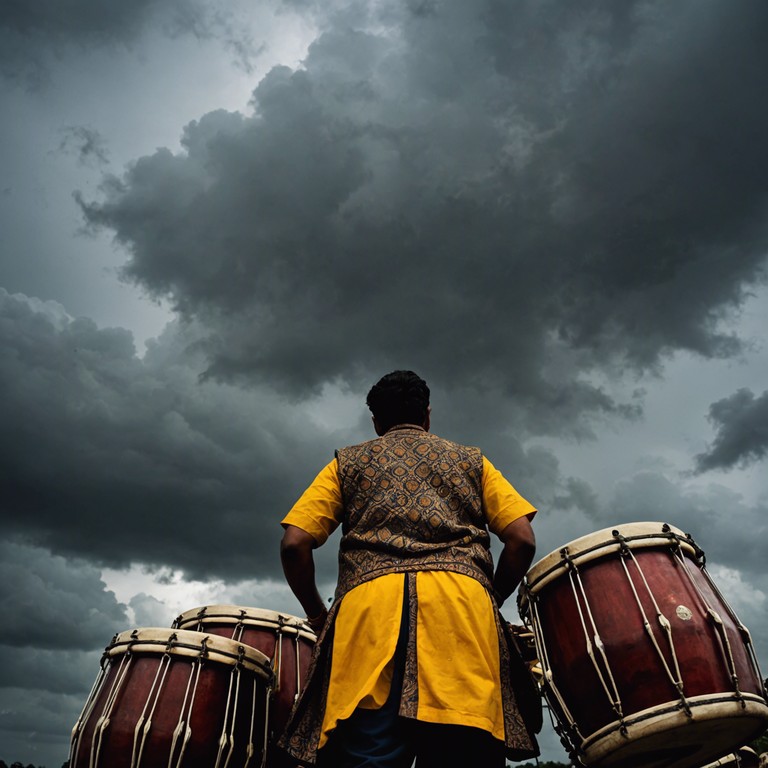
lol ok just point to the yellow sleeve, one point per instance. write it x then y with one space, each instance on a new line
319 510
502 503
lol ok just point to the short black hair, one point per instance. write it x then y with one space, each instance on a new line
400 397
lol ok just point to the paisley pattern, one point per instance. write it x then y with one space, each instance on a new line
413 502
409 698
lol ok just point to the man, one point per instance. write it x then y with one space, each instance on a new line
412 659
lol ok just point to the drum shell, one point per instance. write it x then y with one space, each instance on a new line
162 679
287 641
603 590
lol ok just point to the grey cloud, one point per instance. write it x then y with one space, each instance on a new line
149 611
741 421
83 18
85 143
122 459
125 460
43 738
62 672
491 190
730 531
54 603
34 34
579 495
57 619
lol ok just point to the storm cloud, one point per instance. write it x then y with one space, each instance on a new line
741 421
57 617
555 213
36 34
524 193
70 595
123 459
731 531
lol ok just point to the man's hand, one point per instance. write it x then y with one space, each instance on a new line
299 568
317 622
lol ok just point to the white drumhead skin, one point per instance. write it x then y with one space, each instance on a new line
181 642
599 544
234 614
665 736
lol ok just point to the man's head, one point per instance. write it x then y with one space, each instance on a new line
400 397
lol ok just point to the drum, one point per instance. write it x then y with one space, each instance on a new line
644 663
174 699
286 640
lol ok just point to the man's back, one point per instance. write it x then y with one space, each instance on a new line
412 502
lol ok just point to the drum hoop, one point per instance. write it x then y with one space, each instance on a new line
259 617
707 707
582 551
217 618
181 642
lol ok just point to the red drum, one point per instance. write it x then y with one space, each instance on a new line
174 699
643 662
286 640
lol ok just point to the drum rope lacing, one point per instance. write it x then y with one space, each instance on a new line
681 548
676 679
569 734
298 669
607 680
103 721
183 730
275 667
743 631
154 693
282 626
227 739
90 703
720 629
613 693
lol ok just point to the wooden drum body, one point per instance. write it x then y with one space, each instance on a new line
643 662
174 699
287 641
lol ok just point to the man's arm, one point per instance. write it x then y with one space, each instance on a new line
516 557
299 568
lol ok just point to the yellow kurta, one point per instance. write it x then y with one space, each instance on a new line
456 638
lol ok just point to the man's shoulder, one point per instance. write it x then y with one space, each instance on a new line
453 445
378 444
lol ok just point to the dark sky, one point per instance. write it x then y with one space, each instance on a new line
219 225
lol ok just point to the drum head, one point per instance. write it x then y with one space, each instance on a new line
238 614
601 543
183 643
671 739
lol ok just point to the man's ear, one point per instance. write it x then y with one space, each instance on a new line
379 431
426 420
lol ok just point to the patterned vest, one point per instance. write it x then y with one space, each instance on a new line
412 502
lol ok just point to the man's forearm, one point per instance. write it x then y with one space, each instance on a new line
299 568
515 558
